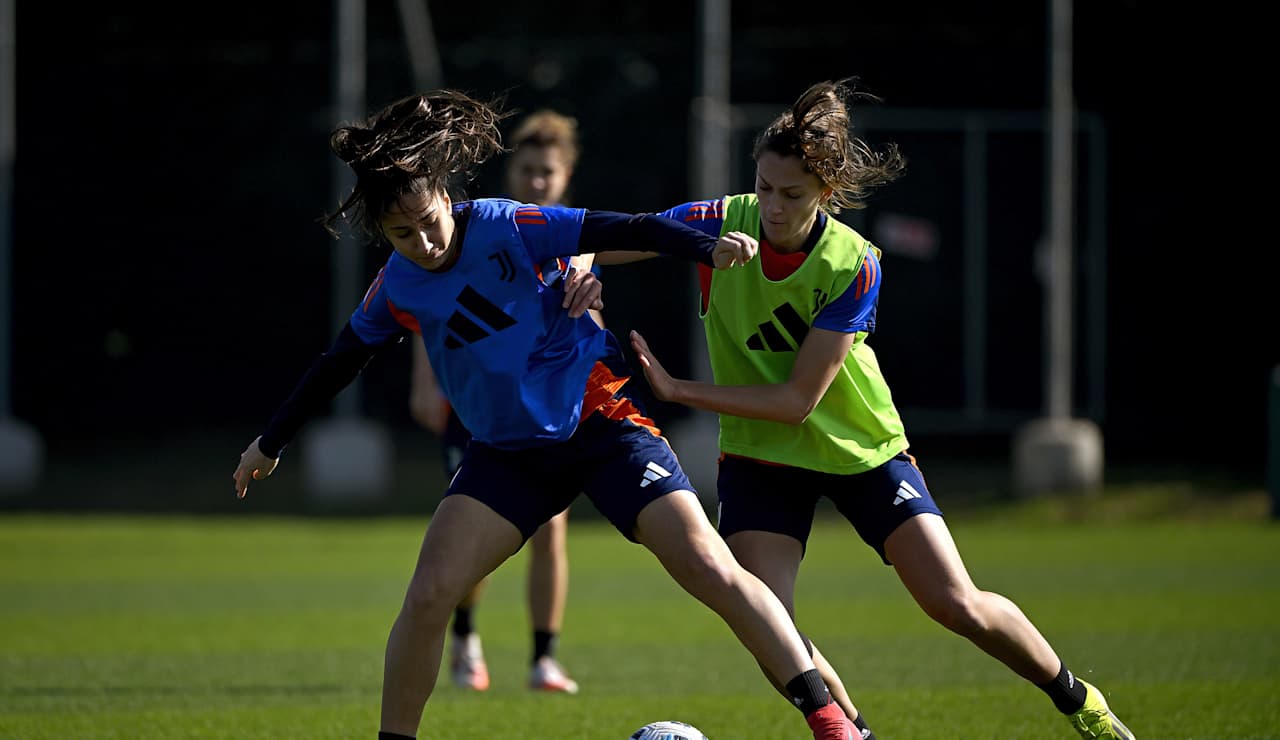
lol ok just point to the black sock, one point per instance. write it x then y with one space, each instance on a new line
861 724
394 736
809 692
462 621
1066 692
544 643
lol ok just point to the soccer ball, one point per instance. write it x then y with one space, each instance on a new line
668 730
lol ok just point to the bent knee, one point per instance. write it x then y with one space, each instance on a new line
429 597
705 573
961 613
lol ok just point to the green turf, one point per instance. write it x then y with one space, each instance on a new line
254 627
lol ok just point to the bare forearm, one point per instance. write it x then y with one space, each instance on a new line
779 402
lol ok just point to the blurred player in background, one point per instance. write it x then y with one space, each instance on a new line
804 410
544 152
542 389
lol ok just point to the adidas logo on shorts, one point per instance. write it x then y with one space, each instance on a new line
653 471
905 491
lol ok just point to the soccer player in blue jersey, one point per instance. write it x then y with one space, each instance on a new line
544 152
804 410
541 388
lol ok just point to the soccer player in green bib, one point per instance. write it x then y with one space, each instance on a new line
805 411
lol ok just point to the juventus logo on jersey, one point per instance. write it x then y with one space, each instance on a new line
770 338
465 330
506 267
820 299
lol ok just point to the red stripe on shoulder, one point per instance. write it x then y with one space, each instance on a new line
703 210
405 318
866 277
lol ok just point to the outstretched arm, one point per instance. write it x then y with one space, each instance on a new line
639 235
618 257
330 373
789 402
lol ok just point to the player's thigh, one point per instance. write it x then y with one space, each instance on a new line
773 558
926 559
548 547
759 497
675 528
551 535
465 541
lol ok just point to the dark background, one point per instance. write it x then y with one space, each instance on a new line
171 282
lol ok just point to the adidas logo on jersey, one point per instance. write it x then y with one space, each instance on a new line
905 492
652 472
463 330
769 338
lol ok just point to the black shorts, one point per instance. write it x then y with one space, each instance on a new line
782 499
622 465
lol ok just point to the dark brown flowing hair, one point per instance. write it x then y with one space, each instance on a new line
418 144
817 130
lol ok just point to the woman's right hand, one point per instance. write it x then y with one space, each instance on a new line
660 380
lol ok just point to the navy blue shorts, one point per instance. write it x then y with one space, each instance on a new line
621 464
782 499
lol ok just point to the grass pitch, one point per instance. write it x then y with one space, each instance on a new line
256 627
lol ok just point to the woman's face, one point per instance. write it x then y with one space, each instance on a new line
538 175
420 228
789 198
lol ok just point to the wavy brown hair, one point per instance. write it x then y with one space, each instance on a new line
817 130
418 144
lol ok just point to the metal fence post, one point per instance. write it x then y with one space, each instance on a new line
1273 446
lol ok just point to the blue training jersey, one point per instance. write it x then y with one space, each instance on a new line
511 361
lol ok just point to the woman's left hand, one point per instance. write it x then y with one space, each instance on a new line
663 385
734 248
